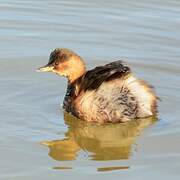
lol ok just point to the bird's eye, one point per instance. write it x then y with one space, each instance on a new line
56 63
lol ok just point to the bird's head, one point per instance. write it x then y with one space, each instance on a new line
65 62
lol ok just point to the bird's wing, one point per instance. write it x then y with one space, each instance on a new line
95 77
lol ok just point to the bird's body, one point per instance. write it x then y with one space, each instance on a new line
109 93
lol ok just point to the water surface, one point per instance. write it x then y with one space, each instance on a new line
37 141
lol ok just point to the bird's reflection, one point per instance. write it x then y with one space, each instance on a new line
104 142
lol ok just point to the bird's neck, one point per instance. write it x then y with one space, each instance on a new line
73 76
77 70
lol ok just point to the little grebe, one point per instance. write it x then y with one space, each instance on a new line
109 93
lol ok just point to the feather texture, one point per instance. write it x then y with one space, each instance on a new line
110 93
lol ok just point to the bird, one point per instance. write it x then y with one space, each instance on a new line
110 93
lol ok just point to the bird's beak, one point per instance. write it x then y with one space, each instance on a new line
45 68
